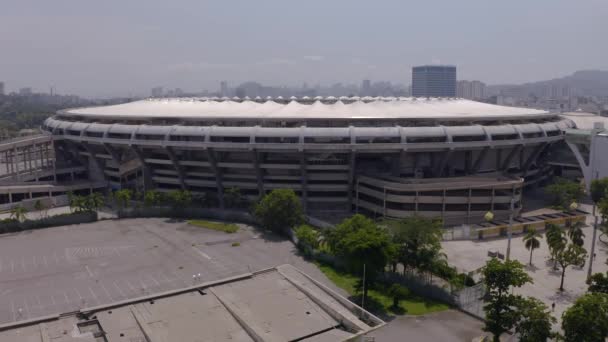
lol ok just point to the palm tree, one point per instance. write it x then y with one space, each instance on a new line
531 241
575 233
18 213
555 240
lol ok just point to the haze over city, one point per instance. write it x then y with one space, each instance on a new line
116 48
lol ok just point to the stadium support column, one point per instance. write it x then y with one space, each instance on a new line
510 156
218 176
177 166
139 154
444 162
477 164
99 174
113 153
351 177
304 180
258 173
532 157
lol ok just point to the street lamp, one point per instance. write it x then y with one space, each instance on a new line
489 216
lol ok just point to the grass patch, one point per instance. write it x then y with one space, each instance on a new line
219 226
235 244
378 301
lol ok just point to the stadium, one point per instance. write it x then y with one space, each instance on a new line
392 157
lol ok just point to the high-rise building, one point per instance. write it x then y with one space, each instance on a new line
434 81
25 91
157 92
223 88
366 88
1 88
472 90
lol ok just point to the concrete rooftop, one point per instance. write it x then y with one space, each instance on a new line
277 304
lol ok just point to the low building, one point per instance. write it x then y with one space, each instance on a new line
277 304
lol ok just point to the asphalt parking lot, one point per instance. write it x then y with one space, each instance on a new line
63 269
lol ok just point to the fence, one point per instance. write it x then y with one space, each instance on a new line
208 213
11 225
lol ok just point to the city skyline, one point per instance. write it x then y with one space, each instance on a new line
194 46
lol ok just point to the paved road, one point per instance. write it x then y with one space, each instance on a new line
63 269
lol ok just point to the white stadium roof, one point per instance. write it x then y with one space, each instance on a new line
383 108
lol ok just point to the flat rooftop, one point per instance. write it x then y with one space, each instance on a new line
277 304
304 108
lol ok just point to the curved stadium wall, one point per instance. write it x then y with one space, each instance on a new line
391 157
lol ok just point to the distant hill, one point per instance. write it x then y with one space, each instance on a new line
584 82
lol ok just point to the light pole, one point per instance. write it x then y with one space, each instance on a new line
512 206
591 255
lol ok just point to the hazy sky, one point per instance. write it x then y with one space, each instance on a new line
111 47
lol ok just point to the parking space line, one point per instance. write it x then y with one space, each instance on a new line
166 279
53 300
34 258
46 264
56 259
144 287
23 264
39 302
67 300
155 281
78 293
13 311
27 311
131 286
106 291
119 289
12 265
89 271
94 296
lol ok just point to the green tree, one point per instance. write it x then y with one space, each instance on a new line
94 201
18 213
598 189
180 199
40 208
363 244
418 241
598 283
153 198
531 241
398 292
279 210
564 192
123 198
308 238
535 321
233 197
572 255
501 309
587 319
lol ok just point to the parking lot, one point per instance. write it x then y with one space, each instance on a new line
64 269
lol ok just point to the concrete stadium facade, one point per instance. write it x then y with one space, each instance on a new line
393 157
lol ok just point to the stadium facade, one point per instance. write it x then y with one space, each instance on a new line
393 157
